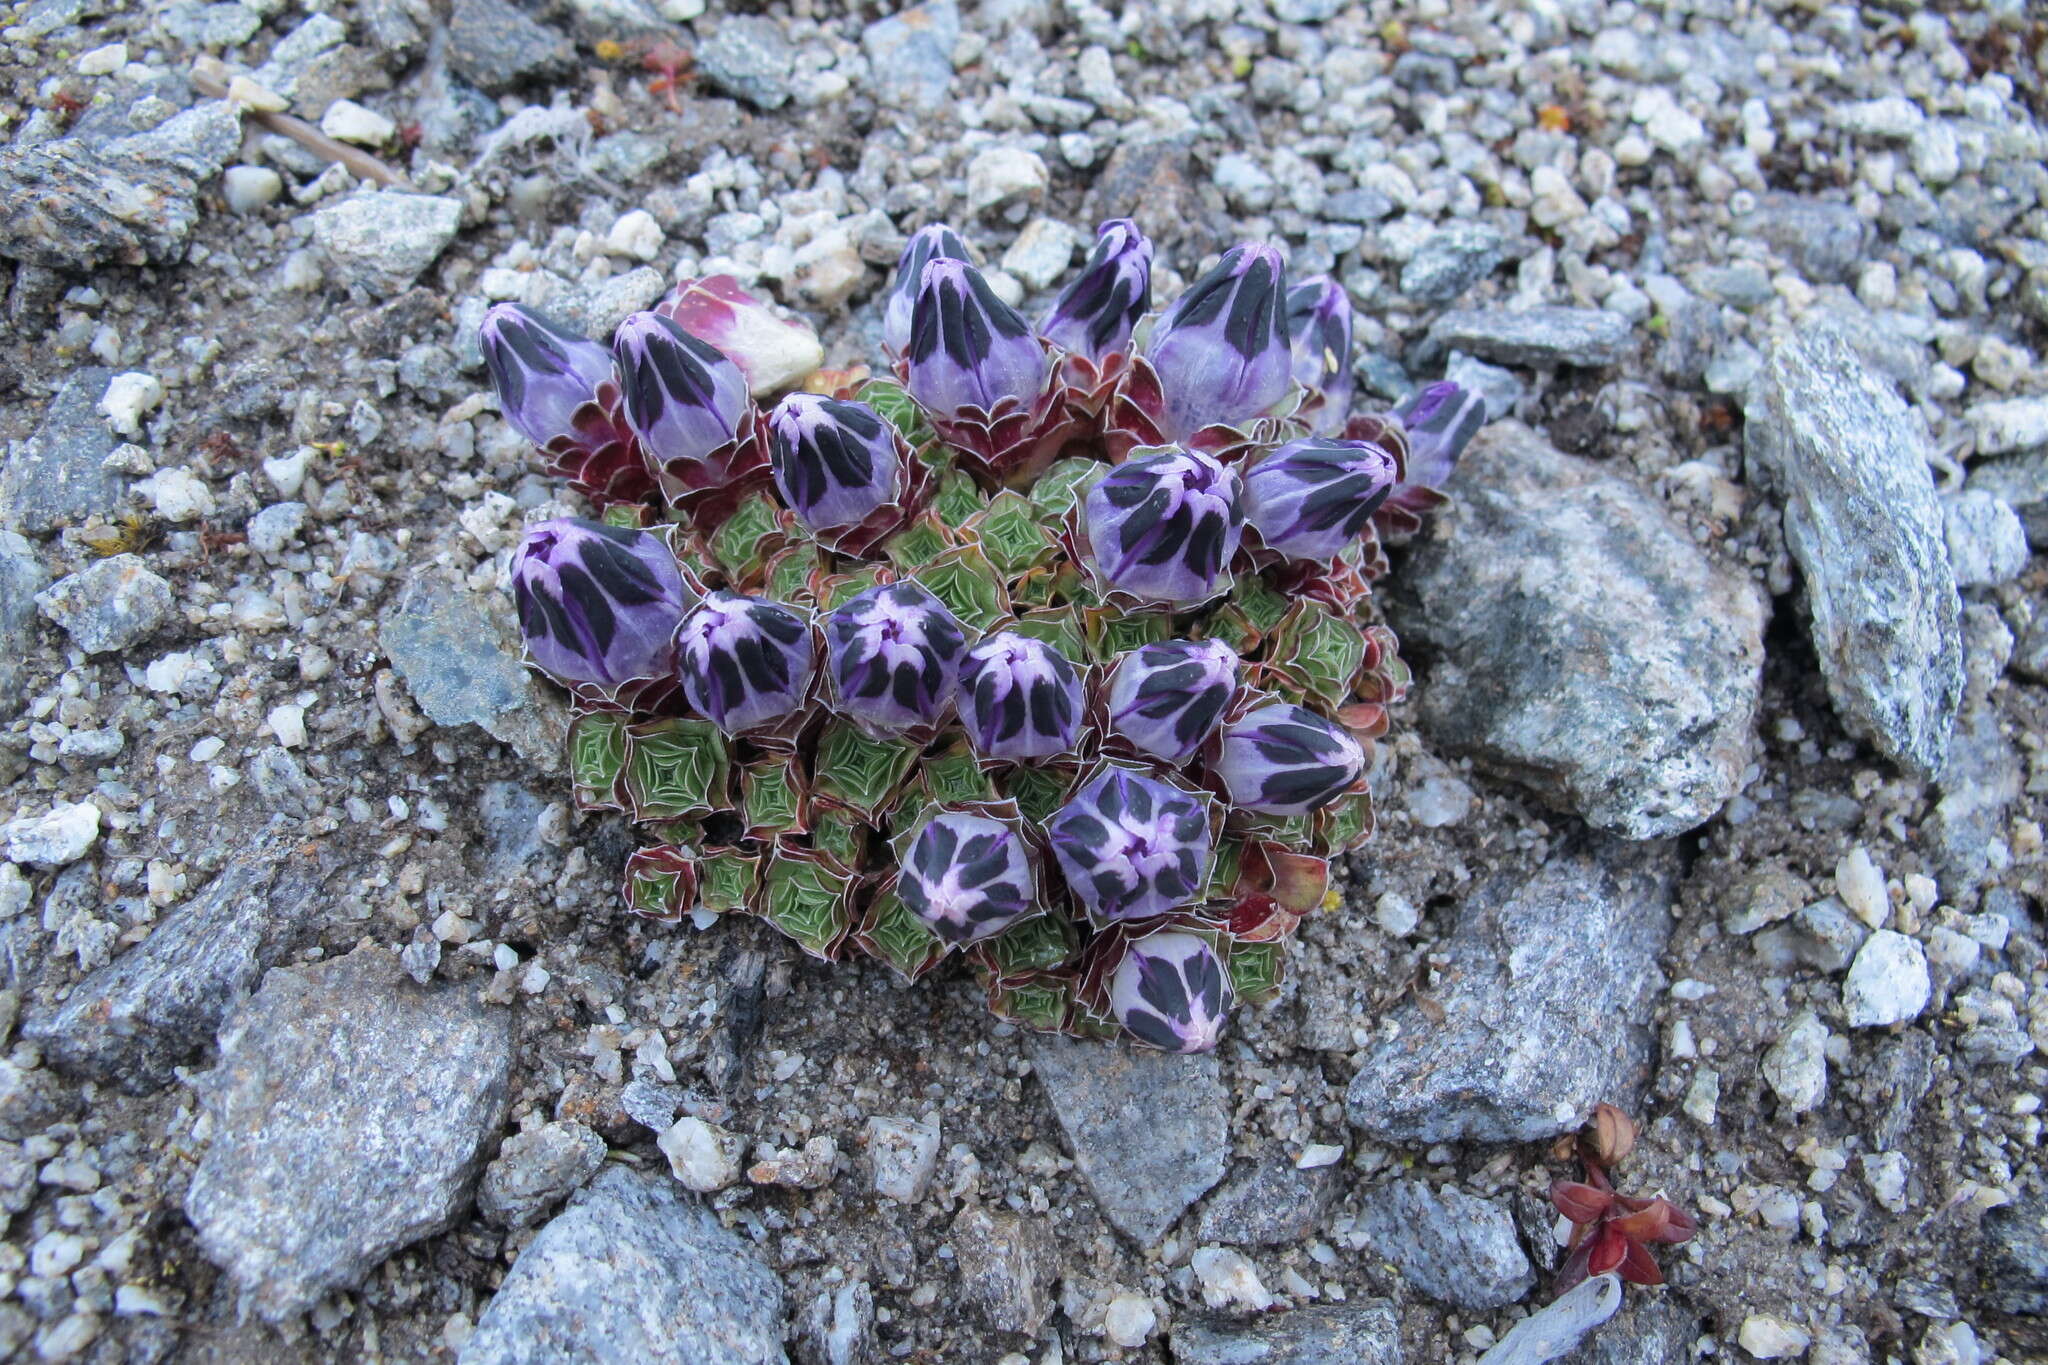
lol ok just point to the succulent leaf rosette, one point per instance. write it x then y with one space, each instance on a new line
1053 649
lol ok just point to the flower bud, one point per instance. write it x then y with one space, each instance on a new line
772 352
1221 350
1165 526
683 398
1131 846
1166 699
597 603
935 242
1286 760
1319 336
835 459
1311 499
1440 421
969 349
968 877
542 372
1019 698
1095 313
744 661
893 654
1171 991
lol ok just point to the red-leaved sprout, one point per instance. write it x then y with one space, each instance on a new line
1612 1233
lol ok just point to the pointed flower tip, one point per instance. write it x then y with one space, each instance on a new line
1440 420
933 242
1312 499
683 397
835 460
1221 351
968 349
893 656
1019 698
1167 698
1282 759
1319 338
744 661
773 352
1095 314
1165 526
1131 846
542 371
597 604
1171 991
968 877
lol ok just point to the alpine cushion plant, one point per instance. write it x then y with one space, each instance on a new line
1052 650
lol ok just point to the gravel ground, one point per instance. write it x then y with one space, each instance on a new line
1719 796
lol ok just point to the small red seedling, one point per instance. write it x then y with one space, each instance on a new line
1613 1232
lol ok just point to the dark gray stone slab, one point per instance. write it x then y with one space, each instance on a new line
59 478
1364 1333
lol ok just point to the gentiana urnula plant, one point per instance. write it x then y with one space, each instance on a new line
1047 644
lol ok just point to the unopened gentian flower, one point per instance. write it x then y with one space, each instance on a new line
969 349
772 352
1319 337
683 397
1283 759
1172 991
1093 316
835 459
1312 499
744 661
1131 846
597 604
934 243
1440 420
1166 699
542 372
968 876
1221 350
1164 526
1614 1232
1019 698
893 656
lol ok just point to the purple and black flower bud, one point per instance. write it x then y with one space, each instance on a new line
744 661
1165 526
1319 336
543 372
969 349
835 459
1310 499
1172 992
1095 313
893 655
1440 420
1131 846
684 398
1166 699
1221 350
968 877
1286 760
934 243
597 604
1019 698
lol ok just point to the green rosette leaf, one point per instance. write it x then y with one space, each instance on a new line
1011 534
1058 627
597 748
892 933
921 542
1037 944
1320 648
858 771
954 777
806 899
1062 485
1256 970
1038 792
745 540
772 798
1262 605
677 769
889 398
726 881
958 500
969 586
1037 1002
840 835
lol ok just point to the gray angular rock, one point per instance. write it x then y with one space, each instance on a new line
2020 481
22 576
108 605
458 657
1987 541
536 1170
1149 1132
1452 260
1149 182
2014 1267
1007 1268
1269 1203
1580 642
749 58
1848 462
1545 1003
1361 1333
633 1269
838 1327
131 1022
910 55
1822 241
210 26
1651 1329
495 45
1979 782
1451 1245
382 240
59 476
351 1113
1540 337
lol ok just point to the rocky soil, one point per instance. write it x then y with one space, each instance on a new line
1719 796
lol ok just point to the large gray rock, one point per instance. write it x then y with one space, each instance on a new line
1848 462
1270 1202
536 1170
749 57
1545 1002
22 576
1449 1244
1007 1268
459 658
2013 1270
1981 779
1821 240
1150 1132
633 1269
1580 642
1651 1329
910 55
59 476
108 605
351 1113
130 1023
2022 482
1542 337
494 45
1363 1333
382 240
